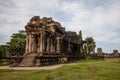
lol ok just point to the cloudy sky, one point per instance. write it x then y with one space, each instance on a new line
97 18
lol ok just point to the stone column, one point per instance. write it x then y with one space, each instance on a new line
38 37
41 42
48 44
81 48
51 48
32 44
58 45
68 46
29 51
27 44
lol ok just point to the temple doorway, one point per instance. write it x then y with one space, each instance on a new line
36 44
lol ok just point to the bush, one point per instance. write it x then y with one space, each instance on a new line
92 57
1 54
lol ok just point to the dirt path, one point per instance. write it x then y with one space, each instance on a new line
36 68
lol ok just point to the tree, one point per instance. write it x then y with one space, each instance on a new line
2 51
90 45
16 46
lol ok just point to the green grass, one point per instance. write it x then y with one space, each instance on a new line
83 70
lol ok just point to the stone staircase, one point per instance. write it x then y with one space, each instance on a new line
28 60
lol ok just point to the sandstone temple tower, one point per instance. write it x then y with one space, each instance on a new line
45 36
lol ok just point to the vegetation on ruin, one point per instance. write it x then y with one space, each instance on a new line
83 70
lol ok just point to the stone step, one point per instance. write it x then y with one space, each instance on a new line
27 60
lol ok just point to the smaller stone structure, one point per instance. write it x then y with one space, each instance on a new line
114 54
99 51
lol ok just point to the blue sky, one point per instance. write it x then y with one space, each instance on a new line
97 18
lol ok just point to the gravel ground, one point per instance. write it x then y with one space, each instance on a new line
36 68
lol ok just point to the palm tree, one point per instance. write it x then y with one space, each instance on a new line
90 45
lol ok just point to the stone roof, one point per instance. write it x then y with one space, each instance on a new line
71 34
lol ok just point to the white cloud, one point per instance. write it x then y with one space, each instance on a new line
99 19
14 16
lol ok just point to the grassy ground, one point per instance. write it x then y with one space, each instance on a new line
83 70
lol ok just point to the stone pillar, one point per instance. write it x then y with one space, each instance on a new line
81 48
38 43
58 49
48 44
27 44
54 48
32 44
29 51
41 43
51 48
69 47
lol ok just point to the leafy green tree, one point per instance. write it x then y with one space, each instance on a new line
16 46
2 51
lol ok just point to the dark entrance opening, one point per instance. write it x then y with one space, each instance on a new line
36 43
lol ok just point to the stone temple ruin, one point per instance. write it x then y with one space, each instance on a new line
47 42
